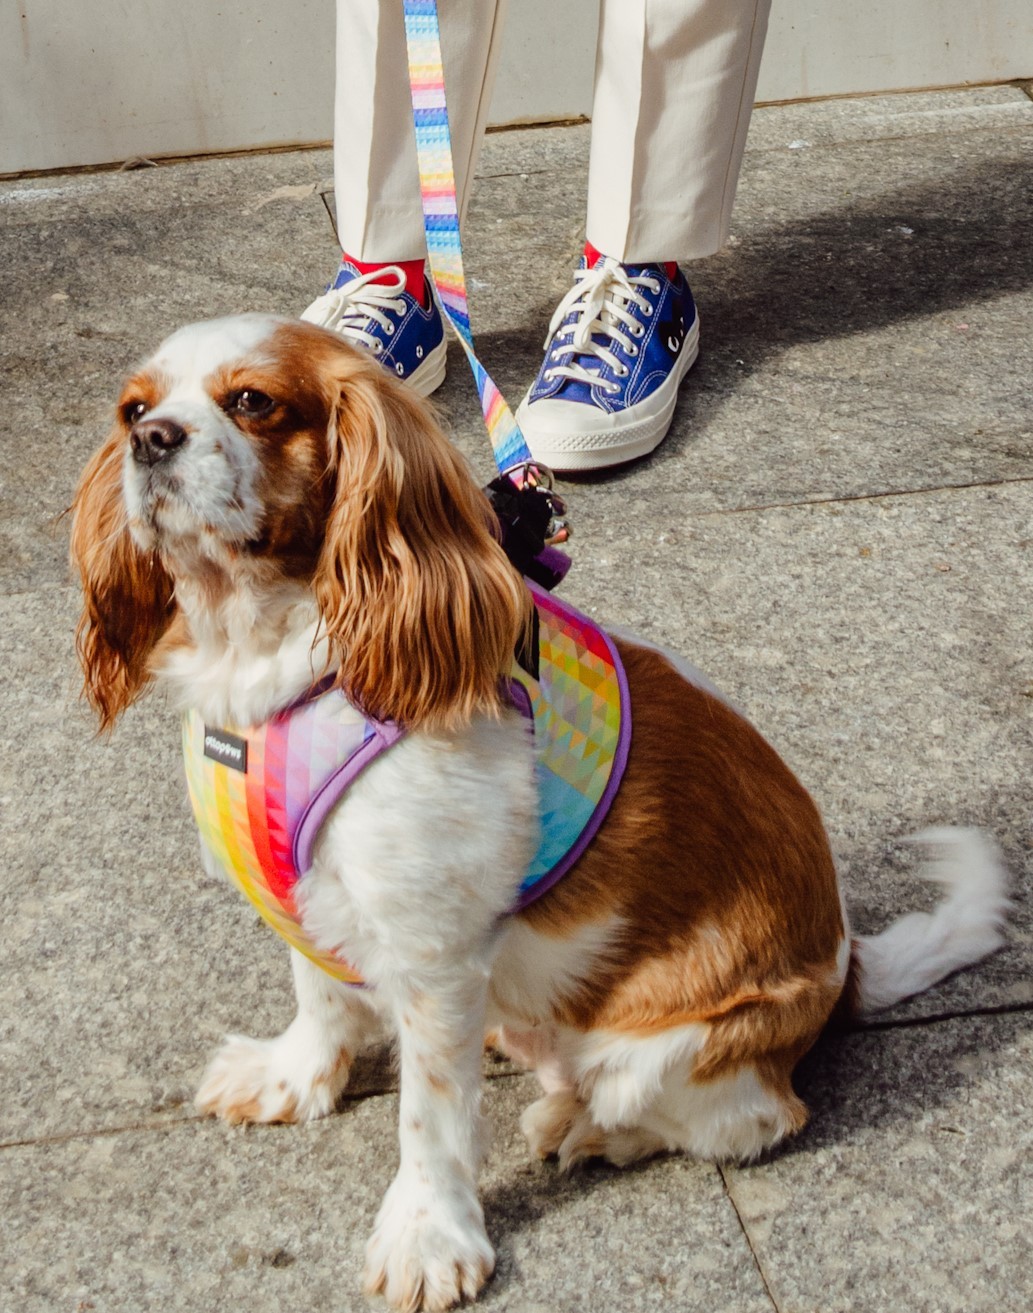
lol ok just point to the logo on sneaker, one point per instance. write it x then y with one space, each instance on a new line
672 333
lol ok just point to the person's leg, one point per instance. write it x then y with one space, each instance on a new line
376 178
675 82
378 298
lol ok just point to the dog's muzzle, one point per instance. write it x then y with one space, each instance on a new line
155 440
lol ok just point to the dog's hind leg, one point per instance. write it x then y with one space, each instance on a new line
636 1096
299 1075
560 1125
732 1117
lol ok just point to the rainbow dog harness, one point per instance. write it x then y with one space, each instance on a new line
260 795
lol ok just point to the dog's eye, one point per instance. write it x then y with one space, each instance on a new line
252 403
133 410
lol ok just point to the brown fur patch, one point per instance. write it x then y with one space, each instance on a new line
421 606
438 1083
147 387
295 487
127 592
715 860
250 1110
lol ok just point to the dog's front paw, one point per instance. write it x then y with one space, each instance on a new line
429 1249
272 1080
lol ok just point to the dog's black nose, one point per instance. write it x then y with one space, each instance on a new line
153 440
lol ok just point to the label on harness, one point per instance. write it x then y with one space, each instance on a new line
225 748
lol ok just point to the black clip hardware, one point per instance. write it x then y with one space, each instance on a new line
531 516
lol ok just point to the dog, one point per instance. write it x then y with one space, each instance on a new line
275 518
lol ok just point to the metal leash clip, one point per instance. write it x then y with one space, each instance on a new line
530 475
531 517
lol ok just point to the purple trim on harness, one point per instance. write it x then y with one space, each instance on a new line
320 806
556 562
519 699
384 735
620 760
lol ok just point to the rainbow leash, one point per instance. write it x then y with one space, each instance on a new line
445 253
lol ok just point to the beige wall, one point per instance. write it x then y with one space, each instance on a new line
832 47
94 81
90 81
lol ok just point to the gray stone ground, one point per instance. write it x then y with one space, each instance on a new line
838 528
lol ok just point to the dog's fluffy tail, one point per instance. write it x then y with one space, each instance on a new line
923 947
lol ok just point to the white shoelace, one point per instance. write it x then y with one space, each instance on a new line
601 297
349 309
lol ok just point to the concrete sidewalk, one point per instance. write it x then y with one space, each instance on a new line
838 529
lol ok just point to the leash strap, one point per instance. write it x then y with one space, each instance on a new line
441 220
530 514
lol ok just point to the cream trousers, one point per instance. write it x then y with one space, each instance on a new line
674 87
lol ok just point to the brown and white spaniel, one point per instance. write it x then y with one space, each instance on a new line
272 508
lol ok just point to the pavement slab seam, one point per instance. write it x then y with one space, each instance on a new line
846 498
997 127
743 1226
177 1119
939 1018
909 1188
99 1132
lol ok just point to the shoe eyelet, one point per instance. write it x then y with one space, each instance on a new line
623 371
400 369
419 353
549 375
639 330
647 310
378 348
632 351
389 329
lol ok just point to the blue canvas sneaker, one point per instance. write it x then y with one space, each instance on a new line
383 318
619 344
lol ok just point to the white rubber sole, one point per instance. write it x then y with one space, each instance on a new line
430 375
635 432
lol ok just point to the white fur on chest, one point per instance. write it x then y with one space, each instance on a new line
246 661
425 852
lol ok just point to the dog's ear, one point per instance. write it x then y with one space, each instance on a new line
421 606
127 594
